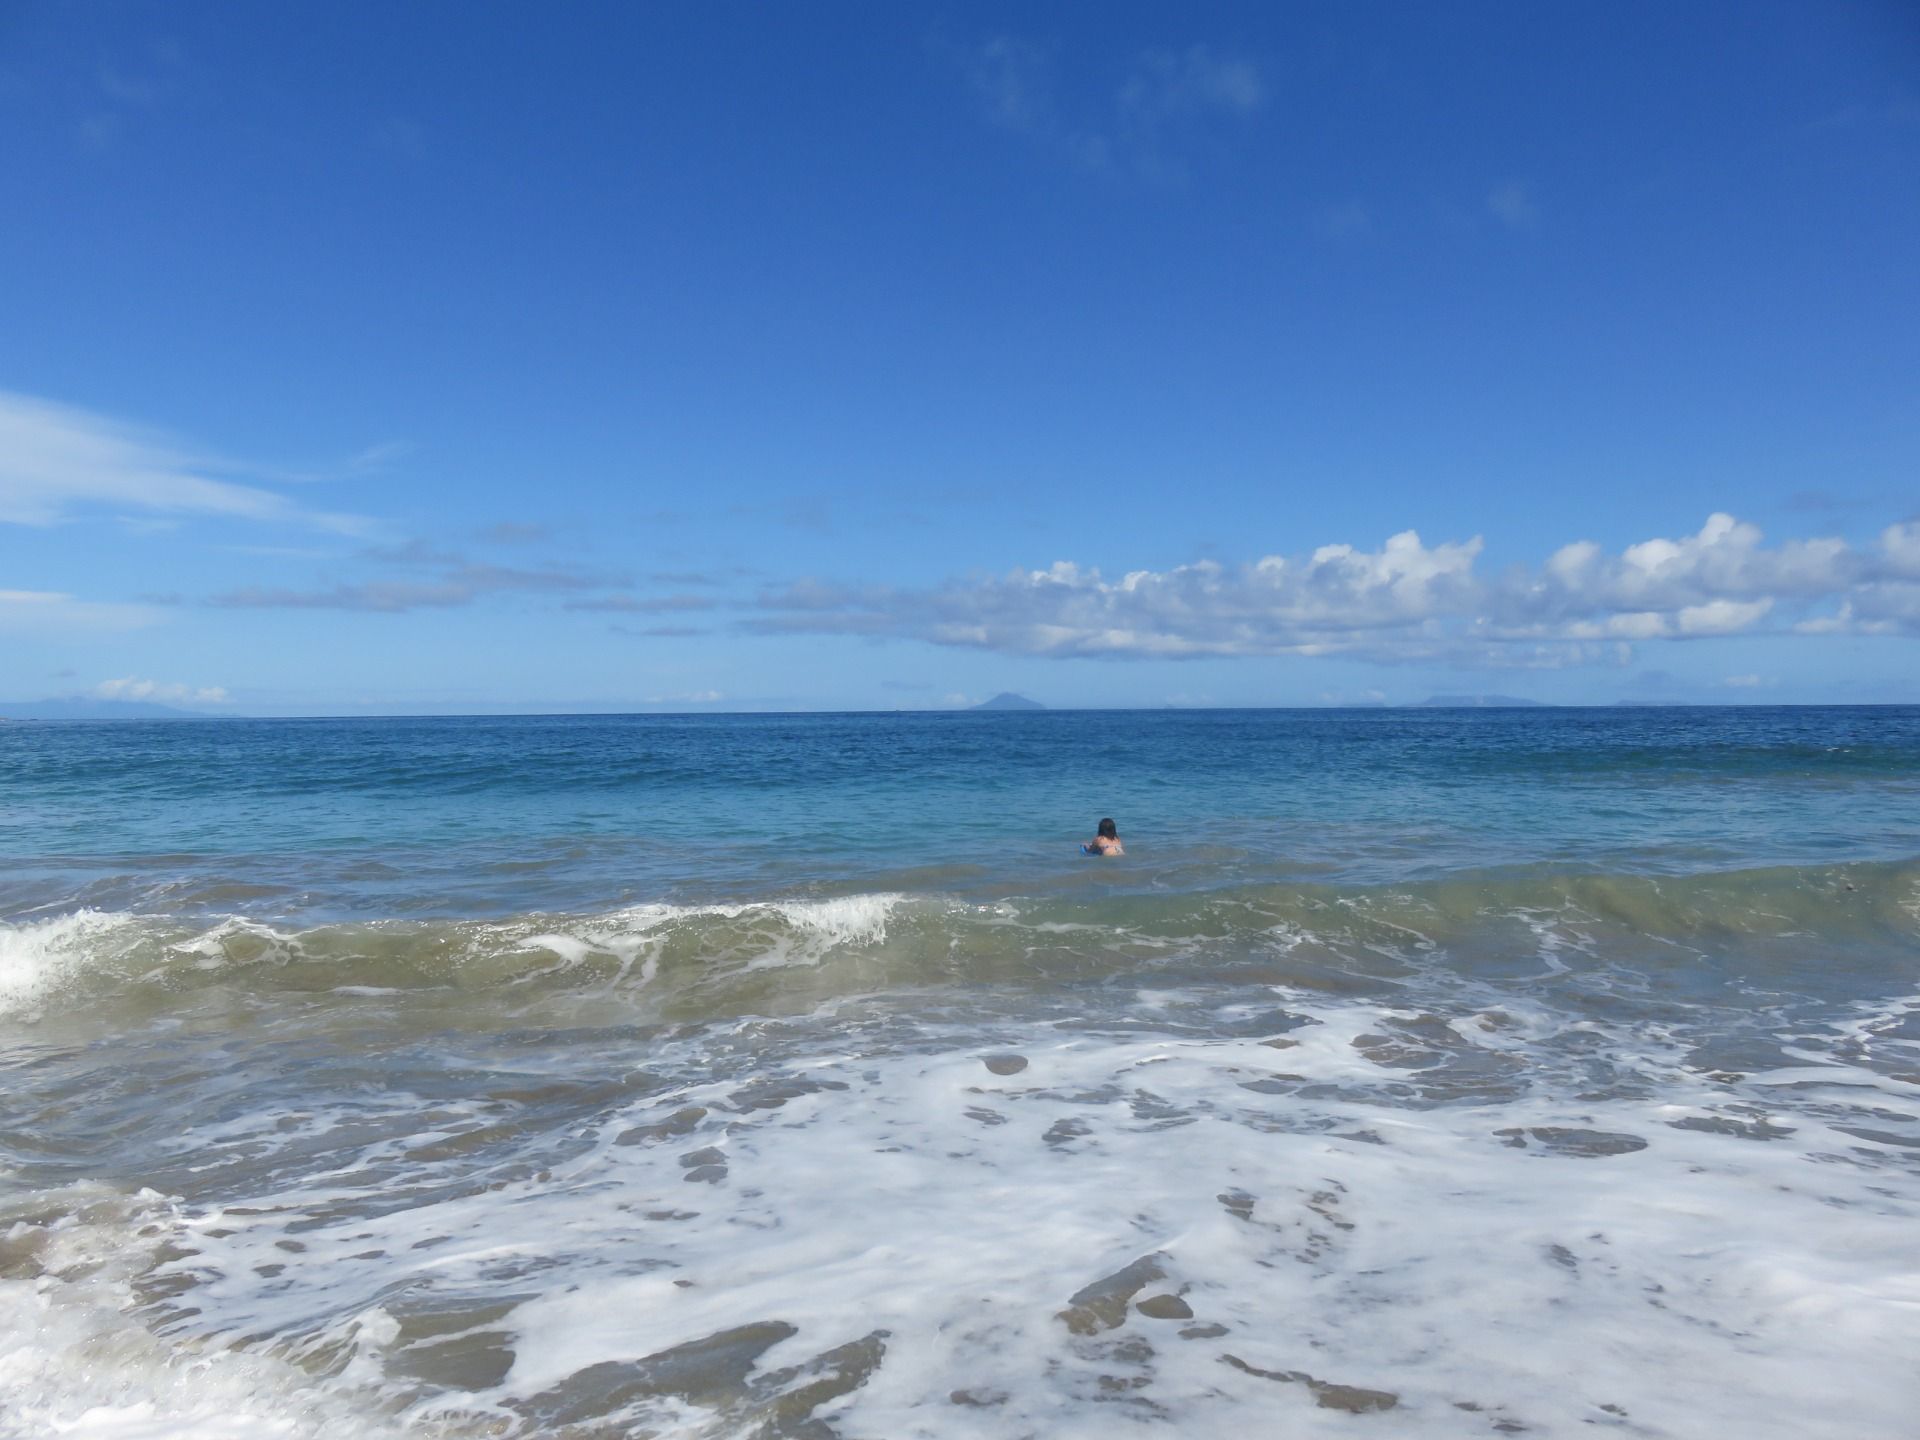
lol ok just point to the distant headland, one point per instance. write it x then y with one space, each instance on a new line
87 708
1007 700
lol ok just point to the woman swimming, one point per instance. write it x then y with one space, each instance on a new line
1107 842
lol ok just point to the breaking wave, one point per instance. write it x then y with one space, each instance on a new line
698 961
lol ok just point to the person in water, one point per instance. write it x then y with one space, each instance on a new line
1107 842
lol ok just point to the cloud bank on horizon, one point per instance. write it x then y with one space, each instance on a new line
1405 601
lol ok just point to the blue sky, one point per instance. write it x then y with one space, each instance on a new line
467 357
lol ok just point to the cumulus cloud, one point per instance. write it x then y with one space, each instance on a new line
1725 560
58 463
1900 550
165 693
1331 600
1406 600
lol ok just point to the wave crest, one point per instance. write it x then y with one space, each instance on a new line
692 961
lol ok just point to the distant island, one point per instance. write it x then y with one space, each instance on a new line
81 707
1007 700
1475 702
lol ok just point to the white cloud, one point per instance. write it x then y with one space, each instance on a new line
1327 601
164 693
58 463
1721 617
1725 560
1406 600
1900 550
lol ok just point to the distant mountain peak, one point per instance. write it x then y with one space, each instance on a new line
1007 700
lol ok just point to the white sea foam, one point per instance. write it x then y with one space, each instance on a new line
42 959
37 957
219 946
1554 1261
766 934
76 1363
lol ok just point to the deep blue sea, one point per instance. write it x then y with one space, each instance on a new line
796 1075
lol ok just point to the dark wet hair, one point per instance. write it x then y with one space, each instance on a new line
1107 832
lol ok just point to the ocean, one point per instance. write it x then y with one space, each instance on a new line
1416 1072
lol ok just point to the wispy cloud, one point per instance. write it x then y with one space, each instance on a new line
126 87
644 604
796 512
1135 122
378 456
390 597
415 553
1168 85
1012 81
1406 600
50 612
59 463
455 585
514 532
161 692
660 632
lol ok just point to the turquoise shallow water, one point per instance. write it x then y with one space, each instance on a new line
796 1075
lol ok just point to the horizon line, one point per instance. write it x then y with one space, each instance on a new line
176 714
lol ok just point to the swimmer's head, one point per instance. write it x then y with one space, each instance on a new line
1107 830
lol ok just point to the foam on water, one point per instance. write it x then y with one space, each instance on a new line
719 955
1176 1215
75 1360
39 956
1507 1149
